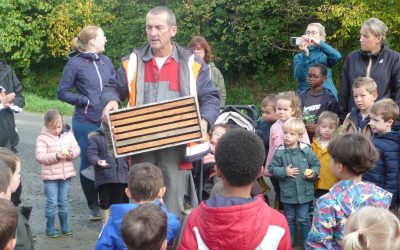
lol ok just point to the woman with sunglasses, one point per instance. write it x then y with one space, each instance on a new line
313 50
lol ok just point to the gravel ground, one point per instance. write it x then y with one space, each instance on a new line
85 232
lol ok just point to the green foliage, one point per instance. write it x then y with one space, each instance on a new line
38 104
62 27
23 31
250 39
250 36
34 30
348 16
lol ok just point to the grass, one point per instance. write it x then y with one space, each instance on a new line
37 104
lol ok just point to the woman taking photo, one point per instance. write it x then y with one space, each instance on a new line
375 60
314 49
202 48
86 71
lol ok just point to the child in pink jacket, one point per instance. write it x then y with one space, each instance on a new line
56 147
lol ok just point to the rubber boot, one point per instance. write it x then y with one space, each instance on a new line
304 234
50 230
65 229
104 215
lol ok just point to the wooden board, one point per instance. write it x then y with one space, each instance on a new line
155 126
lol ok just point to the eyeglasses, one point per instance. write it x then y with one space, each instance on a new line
312 32
313 76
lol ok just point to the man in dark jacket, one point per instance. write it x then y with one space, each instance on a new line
159 71
11 101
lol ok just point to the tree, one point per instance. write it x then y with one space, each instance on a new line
34 30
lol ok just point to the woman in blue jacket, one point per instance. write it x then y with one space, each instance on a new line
314 50
86 71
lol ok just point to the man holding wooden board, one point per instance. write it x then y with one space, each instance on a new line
159 71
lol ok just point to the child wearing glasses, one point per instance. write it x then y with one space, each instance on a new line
316 99
314 49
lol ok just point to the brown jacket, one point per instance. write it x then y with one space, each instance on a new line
350 125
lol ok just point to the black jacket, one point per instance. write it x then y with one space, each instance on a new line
328 102
385 70
117 169
9 81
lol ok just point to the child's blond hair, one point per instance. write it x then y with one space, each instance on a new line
327 115
269 100
294 100
387 108
295 125
367 82
372 228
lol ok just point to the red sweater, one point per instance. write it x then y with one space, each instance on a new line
248 226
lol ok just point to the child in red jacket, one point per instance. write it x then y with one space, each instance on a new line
235 219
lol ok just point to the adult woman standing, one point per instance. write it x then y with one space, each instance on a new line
314 50
202 48
374 60
86 71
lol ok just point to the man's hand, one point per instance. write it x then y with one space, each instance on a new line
111 105
204 126
292 171
6 100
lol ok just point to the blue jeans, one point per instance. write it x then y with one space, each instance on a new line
81 131
56 195
299 212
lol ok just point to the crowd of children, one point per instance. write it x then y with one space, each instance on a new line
346 176
344 170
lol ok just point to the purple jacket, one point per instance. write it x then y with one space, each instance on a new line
87 73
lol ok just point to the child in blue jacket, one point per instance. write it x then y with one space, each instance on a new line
386 173
145 185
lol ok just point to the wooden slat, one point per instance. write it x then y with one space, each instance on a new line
156 129
175 118
150 109
157 136
153 116
152 144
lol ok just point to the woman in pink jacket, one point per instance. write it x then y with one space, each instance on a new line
56 147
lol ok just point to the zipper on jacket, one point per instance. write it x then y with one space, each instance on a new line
368 73
62 161
98 74
87 106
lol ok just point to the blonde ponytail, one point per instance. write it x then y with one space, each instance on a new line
372 228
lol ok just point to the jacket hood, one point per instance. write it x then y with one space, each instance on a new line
66 128
351 195
244 226
87 56
393 137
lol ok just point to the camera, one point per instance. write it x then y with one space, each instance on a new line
295 41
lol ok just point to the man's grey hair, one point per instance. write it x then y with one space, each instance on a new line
162 9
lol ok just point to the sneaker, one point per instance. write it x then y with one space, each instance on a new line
96 217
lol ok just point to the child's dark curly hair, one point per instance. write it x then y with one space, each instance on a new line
354 151
240 155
